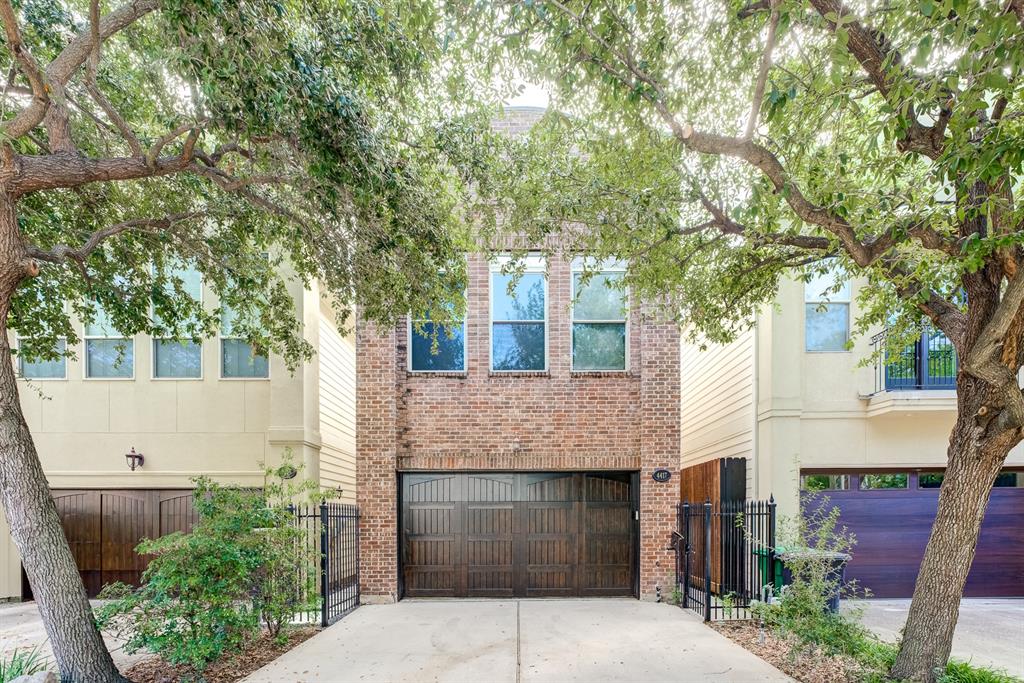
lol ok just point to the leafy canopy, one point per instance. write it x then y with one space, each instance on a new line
283 141
887 142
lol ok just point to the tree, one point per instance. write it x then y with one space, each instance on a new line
245 139
719 146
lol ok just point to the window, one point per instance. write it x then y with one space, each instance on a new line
45 369
870 482
107 354
519 318
598 319
449 355
826 314
825 482
1009 480
930 480
237 360
173 359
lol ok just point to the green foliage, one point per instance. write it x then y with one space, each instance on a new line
361 163
963 672
204 593
619 71
21 663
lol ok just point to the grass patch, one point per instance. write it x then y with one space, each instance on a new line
21 663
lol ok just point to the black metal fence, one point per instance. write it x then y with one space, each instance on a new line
928 363
332 530
725 556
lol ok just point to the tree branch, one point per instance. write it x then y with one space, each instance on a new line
762 75
63 252
29 117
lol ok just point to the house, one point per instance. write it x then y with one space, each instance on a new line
807 414
524 456
211 408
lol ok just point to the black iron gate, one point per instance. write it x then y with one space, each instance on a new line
333 530
725 556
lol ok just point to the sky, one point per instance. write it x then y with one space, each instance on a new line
532 96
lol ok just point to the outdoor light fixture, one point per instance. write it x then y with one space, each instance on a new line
134 459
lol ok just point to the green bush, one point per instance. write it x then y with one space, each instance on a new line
205 593
962 672
22 663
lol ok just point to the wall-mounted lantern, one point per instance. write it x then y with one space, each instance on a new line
134 459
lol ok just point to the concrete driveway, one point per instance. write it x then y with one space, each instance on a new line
518 641
989 632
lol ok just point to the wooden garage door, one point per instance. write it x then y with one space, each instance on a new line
518 534
103 527
892 527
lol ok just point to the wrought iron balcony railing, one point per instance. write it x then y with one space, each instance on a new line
928 363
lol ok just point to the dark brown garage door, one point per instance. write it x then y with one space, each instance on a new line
891 515
518 534
104 526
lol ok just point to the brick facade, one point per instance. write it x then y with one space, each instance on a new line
479 420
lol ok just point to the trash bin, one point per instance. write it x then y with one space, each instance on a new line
836 572
763 555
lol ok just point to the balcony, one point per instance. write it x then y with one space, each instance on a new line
920 377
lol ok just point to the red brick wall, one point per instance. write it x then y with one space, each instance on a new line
478 420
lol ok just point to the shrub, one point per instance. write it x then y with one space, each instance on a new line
204 593
22 663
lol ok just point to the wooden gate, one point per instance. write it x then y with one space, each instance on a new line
503 534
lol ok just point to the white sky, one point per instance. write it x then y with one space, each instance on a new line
532 96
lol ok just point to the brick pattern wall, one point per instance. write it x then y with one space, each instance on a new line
480 420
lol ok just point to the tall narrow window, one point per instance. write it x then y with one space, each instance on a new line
237 358
108 355
519 318
826 314
45 369
173 359
434 347
598 318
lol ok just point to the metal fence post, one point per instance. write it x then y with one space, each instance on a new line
685 540
324 568
358 580
771 541
707 560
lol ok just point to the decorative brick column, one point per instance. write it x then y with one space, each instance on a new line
376 413
659 448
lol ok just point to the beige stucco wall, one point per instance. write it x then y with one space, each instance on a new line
814 410
224 428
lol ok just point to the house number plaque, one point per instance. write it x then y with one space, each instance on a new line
661 474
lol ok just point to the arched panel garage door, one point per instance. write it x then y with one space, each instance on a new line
503 534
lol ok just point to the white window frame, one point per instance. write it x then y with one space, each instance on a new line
220 358
21 365
465 345
85 356
580 265
532 264
818 298
154 340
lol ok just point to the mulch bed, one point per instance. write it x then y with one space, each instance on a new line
805 664
258 653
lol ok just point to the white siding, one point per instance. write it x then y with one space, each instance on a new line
717 416
337 410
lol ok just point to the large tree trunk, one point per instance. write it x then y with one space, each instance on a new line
973 463
31 513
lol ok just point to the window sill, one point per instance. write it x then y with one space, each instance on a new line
519 373
448 374
597 374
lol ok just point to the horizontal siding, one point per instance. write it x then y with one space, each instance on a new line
717 401
337 411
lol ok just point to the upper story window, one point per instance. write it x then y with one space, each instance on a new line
434 347
826 314
237 358
45 369
599 327
108 355
173 359
519 317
